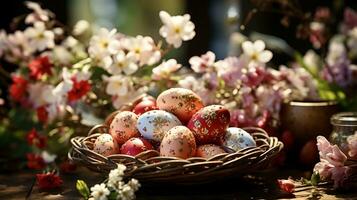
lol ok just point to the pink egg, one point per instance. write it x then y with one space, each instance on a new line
209 150
123 126
178 142
105 145
181 102
135 146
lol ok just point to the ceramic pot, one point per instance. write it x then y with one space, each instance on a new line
307 120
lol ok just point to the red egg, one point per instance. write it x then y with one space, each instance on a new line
209 124
144 106
135 146
209 150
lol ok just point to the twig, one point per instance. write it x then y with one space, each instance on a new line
30 190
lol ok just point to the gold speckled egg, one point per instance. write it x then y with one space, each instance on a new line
178 142
123 126
181 102
105 145
209 150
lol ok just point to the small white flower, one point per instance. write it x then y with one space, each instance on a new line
100 192
99 46
255 52
164 70
336 51
81 27
38 14
189 82
40 38
143 49
41 94
123 63
127 193
47 157
176 29
134 184
200 64
118 85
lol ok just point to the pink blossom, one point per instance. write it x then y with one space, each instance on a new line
350 19
352 145
339 175
330 153
324 146
336 157
324 169
202 63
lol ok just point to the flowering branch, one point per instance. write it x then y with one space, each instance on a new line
113 188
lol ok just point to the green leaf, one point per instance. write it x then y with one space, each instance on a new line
83 189
113 195
315 179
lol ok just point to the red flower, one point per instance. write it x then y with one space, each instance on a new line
33 138
18 88
48 181
79 89
40 66
286 185
68 167
35 161
42 114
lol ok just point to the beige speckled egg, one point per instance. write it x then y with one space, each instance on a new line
123 126
209 150
181 102
237 139
154 124
178 142
105 145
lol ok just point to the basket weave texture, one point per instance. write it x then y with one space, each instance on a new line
149 166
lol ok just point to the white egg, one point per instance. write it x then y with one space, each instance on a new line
154 124
237 139
105 145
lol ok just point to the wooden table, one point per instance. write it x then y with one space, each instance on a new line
16 186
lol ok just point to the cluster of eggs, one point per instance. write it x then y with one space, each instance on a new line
177 124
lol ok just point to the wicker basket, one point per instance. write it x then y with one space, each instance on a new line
149 166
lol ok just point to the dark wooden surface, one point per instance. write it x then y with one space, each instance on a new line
263 186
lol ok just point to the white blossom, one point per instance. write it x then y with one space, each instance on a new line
202 63
118 85
133 94
81 27
255 52
123 63
336 51
47 157
165 69
176 29
189 82
41 94
38 13
100 192
143 49
39 37
99 46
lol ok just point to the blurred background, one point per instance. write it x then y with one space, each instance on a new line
215 20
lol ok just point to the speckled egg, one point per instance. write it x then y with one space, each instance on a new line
154 124
209 150
209 124
105 145
181 102
123 126
237 139
135 146
178 142
144 106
